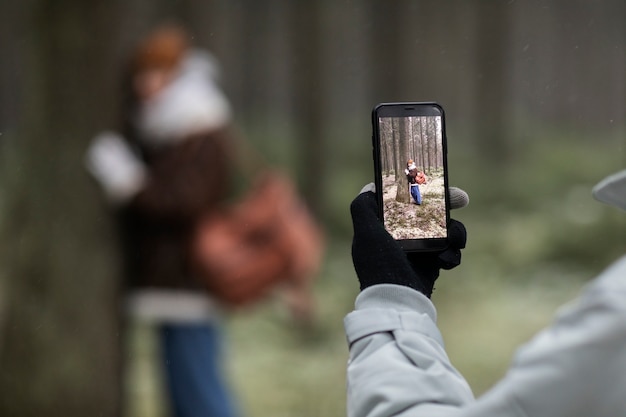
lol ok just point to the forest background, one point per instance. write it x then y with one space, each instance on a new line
534 93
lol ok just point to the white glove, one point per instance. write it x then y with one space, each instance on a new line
111 161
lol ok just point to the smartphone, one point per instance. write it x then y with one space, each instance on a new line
411 173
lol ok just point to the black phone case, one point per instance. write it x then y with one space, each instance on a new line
409 109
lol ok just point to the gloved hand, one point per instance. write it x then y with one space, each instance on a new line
379 259
111 161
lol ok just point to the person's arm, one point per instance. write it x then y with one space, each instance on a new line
398 364
575 367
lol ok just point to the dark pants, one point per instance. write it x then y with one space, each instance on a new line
194 371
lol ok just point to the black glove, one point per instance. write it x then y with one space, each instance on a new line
379 259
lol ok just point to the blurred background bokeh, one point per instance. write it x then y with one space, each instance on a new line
535 99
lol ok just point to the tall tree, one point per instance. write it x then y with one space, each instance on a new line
388 51
422 147
60 336
491 93
403 129
309 103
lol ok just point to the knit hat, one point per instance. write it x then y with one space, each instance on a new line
612 190
191 102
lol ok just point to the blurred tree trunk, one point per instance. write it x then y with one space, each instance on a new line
309 100
60 334
387 52
491 94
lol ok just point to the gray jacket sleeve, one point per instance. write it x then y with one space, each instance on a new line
577 366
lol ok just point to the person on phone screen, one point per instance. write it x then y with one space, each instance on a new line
412 173
398 364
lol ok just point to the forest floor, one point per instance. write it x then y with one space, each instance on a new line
410 220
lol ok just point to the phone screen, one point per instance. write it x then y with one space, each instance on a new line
410 159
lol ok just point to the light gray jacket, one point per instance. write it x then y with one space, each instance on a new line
574 368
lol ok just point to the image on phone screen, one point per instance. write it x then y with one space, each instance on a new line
412 164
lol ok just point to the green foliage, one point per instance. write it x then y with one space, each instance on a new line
540 208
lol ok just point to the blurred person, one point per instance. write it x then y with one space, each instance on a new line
398 364
171 166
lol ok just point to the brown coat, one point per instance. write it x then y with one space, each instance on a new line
411 175
185 181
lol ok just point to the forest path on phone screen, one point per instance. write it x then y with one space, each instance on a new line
412 221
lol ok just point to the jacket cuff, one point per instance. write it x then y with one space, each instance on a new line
389 307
